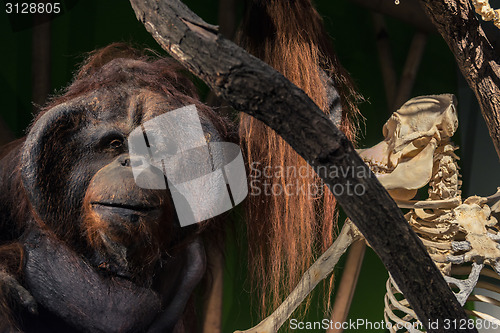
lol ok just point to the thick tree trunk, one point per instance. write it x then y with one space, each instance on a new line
456 21
253 87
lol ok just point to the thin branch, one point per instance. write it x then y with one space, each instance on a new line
251 86
347 286
410 70
385 58
316 273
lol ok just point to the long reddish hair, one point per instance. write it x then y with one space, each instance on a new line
285 232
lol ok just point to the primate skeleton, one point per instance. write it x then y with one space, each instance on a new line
461 235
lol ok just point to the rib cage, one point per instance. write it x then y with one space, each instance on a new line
440 235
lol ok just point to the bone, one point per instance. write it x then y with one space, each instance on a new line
432 204
488 286
403 162
466 286
318 271
461 246
417 151
391 317
399 305
484 316
484 299
474 221
494 237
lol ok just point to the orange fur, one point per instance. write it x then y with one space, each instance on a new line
286 232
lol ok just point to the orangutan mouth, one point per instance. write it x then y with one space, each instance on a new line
131 213
115 205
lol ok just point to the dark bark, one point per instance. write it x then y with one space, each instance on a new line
253 87
477 59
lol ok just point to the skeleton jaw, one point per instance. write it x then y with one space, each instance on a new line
404 161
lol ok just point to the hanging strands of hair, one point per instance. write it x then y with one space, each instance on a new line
297 226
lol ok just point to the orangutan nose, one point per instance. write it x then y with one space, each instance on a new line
124 160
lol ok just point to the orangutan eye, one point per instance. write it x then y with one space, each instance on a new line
115 144
111 141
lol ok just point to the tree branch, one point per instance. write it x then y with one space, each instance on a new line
347 285
319 271
253 87
457 23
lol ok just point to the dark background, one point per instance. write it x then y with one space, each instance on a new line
86 25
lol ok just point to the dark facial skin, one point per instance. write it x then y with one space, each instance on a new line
95 136
128 226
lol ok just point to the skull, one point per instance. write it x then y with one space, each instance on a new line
403 161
